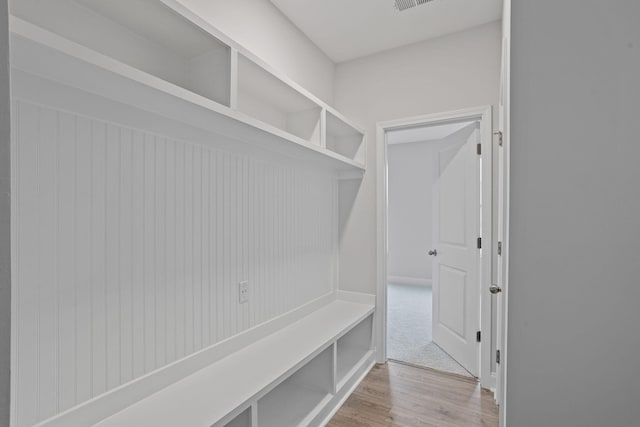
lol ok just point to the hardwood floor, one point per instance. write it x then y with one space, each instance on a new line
401 395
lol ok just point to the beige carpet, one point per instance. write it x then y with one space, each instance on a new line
409 330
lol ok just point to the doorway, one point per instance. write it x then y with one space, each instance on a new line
428 167
433 275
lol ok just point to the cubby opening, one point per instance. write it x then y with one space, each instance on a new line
144 34
295 400
243 419
270 100
344 139
352 347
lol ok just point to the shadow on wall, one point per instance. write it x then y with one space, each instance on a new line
347 194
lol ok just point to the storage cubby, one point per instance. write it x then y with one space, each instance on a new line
243 419
352 348
294 401
144 34
270 100
344 139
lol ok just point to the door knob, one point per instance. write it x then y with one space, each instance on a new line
433 252
495 289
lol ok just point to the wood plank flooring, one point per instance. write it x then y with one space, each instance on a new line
401 395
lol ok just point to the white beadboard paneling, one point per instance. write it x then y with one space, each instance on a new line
49 294
130 245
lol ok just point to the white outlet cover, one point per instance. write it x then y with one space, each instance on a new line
243 292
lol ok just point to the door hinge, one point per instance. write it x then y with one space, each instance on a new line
499 133
478 336
479 149
499 248
479 242
497 356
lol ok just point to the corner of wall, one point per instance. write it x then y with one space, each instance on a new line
5 220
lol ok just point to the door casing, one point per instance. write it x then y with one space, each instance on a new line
484 115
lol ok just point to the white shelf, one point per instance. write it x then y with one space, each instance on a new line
290 405
262 95
207 396
352 349
350 360
297 400
144 34
343 137
157 56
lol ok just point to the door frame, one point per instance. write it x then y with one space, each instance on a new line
484 115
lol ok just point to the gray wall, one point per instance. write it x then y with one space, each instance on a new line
574 295
5 226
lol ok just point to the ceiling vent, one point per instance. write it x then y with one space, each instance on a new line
408 4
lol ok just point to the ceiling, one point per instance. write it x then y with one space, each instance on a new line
348 29
424 133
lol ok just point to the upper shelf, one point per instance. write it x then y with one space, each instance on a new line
262 95
159 56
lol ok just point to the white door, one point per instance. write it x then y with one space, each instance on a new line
456 204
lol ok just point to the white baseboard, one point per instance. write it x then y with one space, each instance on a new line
404 280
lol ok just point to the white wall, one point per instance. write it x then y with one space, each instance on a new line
574 273
411 178
131 235
261 28
5 223
449 73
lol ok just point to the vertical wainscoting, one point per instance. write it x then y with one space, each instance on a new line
129 247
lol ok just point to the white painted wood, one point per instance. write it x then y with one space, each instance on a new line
250 373
351 349
168 41
359 373
343 138
79 67
504 171
484 115
264 96
163 38
144 34
233 79
143 213
456 226
117 220
299 398
244 419
179 7
382 247
301 405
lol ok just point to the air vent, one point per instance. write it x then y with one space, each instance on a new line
408 4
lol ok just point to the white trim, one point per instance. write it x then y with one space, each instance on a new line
405 280
484 114
505 121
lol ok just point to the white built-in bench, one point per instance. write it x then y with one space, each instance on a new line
297 376
293 370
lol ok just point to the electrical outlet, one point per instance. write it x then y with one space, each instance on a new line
243 292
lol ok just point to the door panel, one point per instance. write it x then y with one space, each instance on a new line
456 302
450 296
